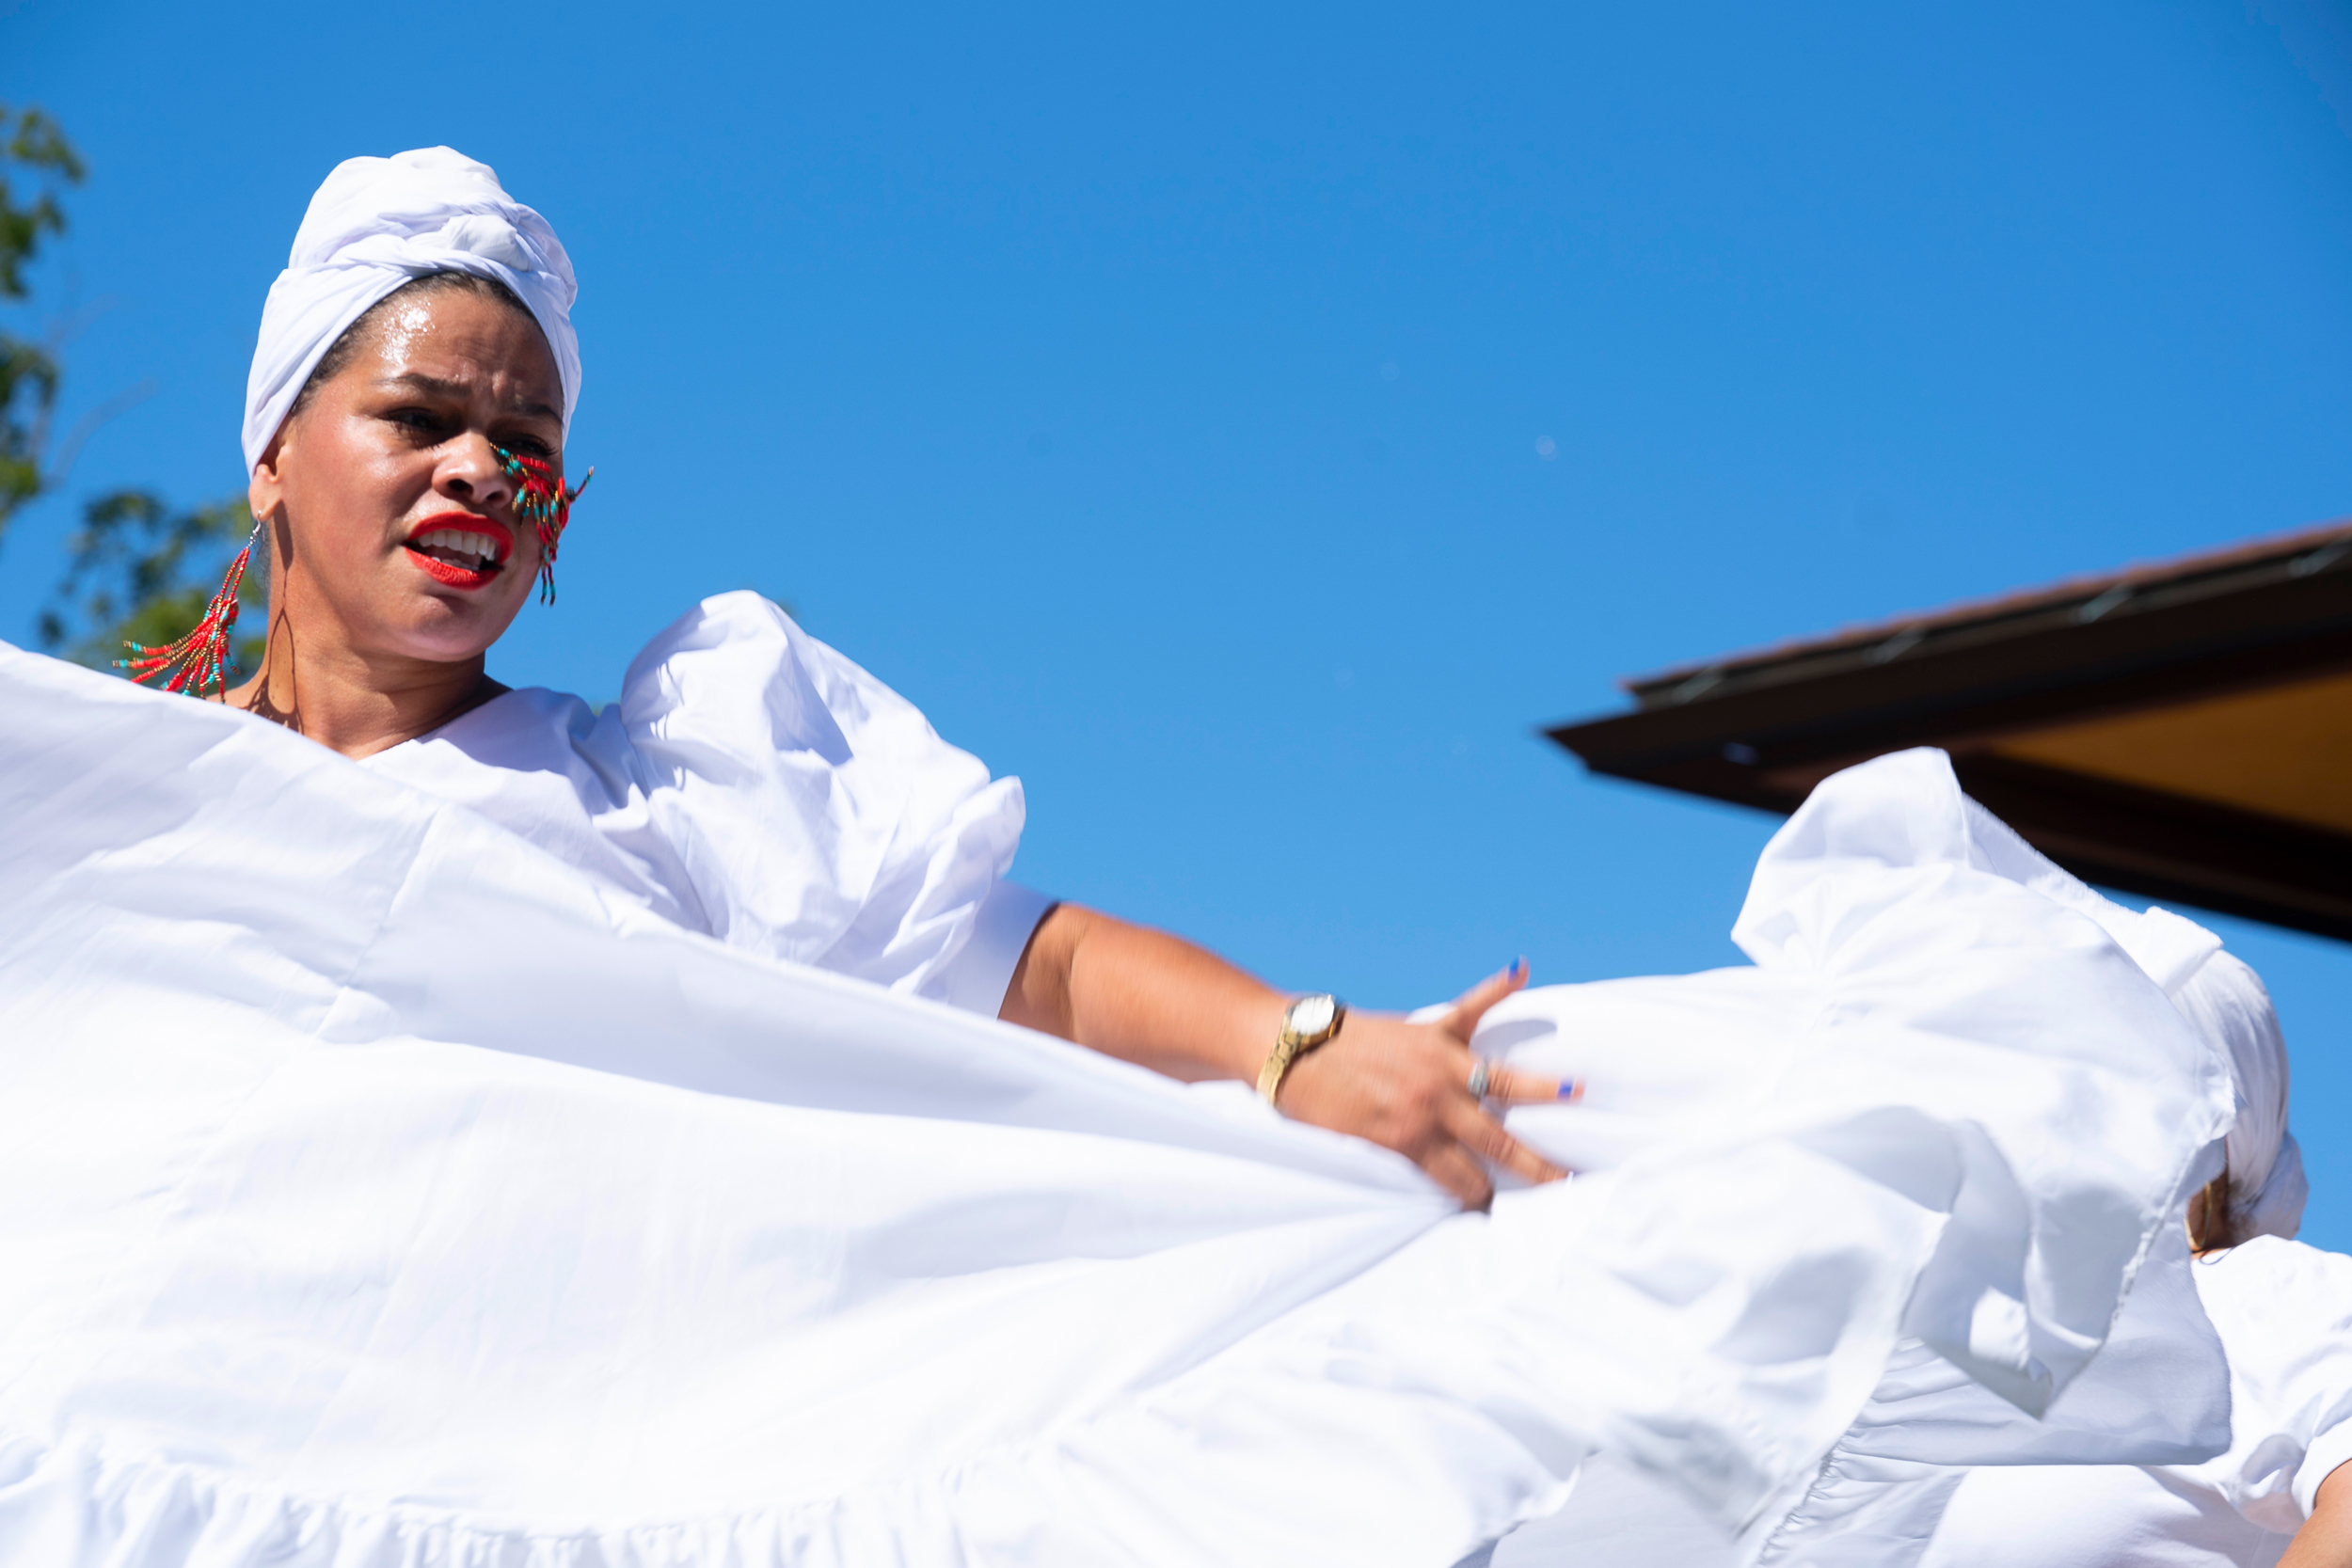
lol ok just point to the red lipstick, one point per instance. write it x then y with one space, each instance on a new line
461 549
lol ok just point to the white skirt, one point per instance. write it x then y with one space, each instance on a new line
375 1190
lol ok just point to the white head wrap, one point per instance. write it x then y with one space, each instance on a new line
2217 992
2227 1002
375 224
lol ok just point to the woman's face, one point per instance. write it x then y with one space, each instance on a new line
401 525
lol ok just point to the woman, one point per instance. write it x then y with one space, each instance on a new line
448 1125
388 456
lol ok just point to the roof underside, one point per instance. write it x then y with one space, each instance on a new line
2182 731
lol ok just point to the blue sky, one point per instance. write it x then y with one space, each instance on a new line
1248 424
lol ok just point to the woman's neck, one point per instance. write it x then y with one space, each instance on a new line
356 703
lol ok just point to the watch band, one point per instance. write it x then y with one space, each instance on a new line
1307 1022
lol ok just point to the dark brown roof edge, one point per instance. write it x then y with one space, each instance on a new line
2004 607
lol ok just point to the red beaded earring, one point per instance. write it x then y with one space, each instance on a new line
199 660
541 498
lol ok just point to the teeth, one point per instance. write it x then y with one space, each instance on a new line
460 542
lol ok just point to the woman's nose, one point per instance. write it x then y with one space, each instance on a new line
470 471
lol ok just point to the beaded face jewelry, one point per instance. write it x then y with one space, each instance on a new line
198 662
541 499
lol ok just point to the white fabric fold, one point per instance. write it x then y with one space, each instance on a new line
2284 1312
377 223
2222 997
2159 1390
383 1190
2154 1394
756 786
1853 913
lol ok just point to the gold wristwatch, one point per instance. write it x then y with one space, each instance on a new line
1307 1022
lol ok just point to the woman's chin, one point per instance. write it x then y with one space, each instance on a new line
445 628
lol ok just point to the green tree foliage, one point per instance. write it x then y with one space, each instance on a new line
139 570
35 161
142 573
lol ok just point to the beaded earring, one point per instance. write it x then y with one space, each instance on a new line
200 660
542 499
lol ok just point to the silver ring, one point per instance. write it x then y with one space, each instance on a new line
1478 1078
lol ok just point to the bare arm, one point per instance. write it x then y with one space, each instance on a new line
2325 1539
1160 1002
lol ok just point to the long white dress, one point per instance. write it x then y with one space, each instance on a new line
558 1142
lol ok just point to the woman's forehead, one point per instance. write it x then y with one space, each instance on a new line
462 343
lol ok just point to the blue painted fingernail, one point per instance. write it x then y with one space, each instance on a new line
1568 1088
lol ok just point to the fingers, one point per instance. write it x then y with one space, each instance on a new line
1484 1136
1472 1003
1454 1169
1513 1087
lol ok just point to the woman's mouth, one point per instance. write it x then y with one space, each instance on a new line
462 552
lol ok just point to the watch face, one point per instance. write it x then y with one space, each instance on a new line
1313 1015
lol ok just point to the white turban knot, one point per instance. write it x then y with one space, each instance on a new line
375 224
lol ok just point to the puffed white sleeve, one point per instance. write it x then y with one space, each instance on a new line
2285 1312
819 815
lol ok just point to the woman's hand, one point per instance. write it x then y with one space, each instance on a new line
1406 1085
1152 999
